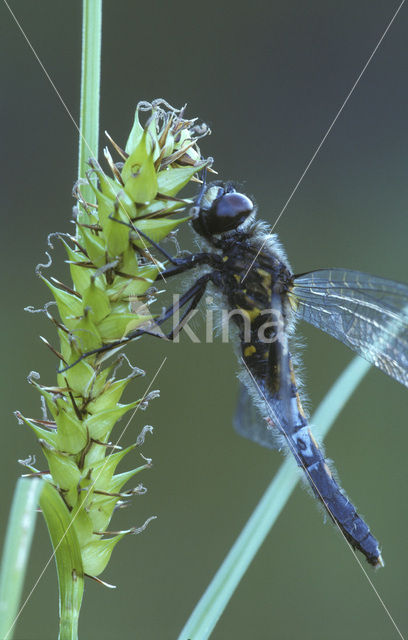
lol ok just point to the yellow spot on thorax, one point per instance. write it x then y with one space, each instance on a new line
251 313
249 351
266 277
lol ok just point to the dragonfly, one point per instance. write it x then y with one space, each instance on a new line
246 264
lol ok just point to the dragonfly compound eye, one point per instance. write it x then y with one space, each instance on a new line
227 212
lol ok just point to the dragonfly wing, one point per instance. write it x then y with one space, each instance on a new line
249 421
366 313
265 376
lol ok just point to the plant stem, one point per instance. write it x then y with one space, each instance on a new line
90 88
68 556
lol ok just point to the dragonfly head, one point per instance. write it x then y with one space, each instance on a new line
221 208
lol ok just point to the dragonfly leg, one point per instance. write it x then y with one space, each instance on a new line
195 292
141 233
179 264
192 296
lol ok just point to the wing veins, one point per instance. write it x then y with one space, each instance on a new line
371 322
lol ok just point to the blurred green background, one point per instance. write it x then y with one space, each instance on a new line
269 78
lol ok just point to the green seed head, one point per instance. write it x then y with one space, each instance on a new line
111 268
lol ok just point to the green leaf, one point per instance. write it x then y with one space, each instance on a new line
71 435
50 437
152 135
117 325
86 333
53 400
139 174
161 206
82 522
102 423
111 214
64 471
101 511
97 300
142 184
110 396
103 471
17 545
80 275
68 559
96 555
95 247
154 229
99 381
69 306
120 479
131 267
135 135
79 378
172 179
68 348
131 288
96 452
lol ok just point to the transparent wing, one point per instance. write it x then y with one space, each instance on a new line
366 313
265 409
250 423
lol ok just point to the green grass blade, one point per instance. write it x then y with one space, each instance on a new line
68 558
90 88
217 595
16 550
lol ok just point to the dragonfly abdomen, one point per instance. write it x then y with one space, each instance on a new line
326 489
